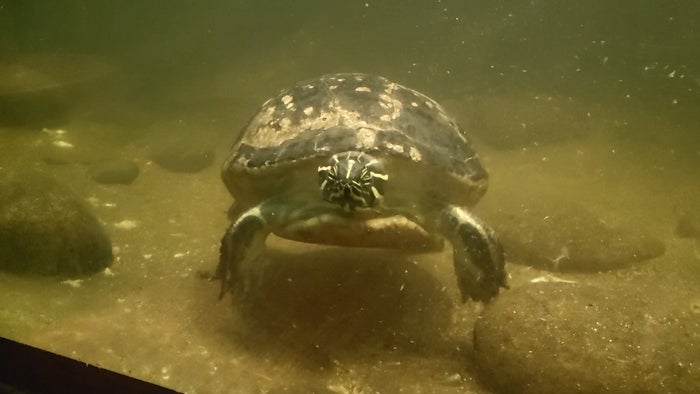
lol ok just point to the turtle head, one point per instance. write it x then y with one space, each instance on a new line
352 179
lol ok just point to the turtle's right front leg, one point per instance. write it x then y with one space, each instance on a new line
241 246
479 261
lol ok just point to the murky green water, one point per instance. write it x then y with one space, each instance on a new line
588 106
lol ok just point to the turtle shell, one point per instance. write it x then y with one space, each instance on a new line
352 112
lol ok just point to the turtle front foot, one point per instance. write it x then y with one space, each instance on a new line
241 246
479 261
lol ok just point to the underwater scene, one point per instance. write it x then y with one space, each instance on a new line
439 196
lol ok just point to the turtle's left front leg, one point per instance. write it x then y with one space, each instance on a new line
241 246
241 254
479 261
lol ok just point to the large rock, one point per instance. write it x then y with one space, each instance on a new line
577 338
366 298
46 230
550 232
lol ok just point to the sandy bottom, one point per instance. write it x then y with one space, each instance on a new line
334 319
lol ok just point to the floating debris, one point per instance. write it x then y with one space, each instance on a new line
126 224
63 144
94 201
551 279
74 283
54 132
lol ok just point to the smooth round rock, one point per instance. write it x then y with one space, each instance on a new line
54 154
183 145
115 172
577 338
392 301
184 157
548 232
46 230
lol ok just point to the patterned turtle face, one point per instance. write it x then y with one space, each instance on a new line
352 179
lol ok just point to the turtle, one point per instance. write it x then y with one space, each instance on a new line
355 159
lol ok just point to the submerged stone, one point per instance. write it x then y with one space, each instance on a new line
46 230
115 172
578 338
61 155
178 148
183 157
551 233
394 303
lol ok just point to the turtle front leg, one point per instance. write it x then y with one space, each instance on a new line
241 246
478 256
